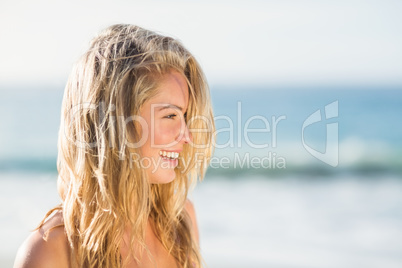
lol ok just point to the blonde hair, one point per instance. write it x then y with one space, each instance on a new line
102 191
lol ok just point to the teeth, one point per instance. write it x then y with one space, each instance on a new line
172 155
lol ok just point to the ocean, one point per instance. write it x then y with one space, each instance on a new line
301 177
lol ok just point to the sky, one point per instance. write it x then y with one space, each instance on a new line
285 43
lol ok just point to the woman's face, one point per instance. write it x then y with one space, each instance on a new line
165 128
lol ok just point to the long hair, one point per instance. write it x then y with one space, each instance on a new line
102 191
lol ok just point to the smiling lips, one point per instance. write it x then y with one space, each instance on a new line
169 155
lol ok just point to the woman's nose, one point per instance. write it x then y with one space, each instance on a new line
185 134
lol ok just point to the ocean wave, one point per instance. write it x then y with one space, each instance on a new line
243 168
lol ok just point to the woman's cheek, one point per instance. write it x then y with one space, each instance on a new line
162 133
169 133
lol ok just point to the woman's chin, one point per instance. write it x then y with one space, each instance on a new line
163 176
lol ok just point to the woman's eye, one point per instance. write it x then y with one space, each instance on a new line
171 116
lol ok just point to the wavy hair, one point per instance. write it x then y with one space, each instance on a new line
102 193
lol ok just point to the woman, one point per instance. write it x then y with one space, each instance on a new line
127 158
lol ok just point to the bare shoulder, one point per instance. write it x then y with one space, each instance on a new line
46 247
189 207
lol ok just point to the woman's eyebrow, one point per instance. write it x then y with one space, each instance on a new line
167 106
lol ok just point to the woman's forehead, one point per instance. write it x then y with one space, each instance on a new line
173 90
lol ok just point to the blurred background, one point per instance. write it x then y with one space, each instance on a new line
307 98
